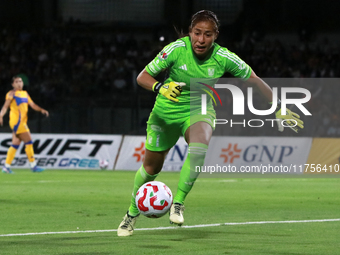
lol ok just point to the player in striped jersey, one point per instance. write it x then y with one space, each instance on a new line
173 115
18 100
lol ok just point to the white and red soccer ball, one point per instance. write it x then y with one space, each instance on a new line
103 164
154 199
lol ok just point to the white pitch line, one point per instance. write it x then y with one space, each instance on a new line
40 181
164 228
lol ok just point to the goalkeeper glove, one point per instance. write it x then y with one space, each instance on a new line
170 90
292 119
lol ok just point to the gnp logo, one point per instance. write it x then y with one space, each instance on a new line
256 153
139 153
230 153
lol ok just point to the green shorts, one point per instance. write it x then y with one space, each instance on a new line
163 133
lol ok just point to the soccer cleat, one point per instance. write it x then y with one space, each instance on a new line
126 226
37 169
176 214
7 170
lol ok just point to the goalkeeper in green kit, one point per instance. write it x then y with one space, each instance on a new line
193 56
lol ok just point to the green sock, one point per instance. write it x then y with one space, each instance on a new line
141 177
188 176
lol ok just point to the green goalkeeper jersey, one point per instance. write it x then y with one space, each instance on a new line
183 66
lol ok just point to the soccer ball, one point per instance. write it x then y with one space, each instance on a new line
103 164
154 199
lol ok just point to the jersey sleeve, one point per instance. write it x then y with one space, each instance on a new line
165 58
9 95
234 64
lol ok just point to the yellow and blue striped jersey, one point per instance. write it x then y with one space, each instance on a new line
19 105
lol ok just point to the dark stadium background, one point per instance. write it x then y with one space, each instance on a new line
72 53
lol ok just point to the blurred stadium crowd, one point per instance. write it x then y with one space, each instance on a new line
61 63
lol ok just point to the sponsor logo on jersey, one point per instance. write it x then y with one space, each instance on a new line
242 65
157 140
183 67
156 128
211 71
163 55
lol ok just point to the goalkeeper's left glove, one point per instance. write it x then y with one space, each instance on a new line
170 90
292 119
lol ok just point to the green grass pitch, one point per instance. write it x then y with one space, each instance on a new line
60 201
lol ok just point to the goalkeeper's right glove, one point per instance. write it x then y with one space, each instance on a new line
170 90
292 119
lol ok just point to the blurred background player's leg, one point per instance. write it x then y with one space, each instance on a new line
11 154
26 137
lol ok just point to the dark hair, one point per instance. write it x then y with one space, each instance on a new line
180 32
15 77
204 15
